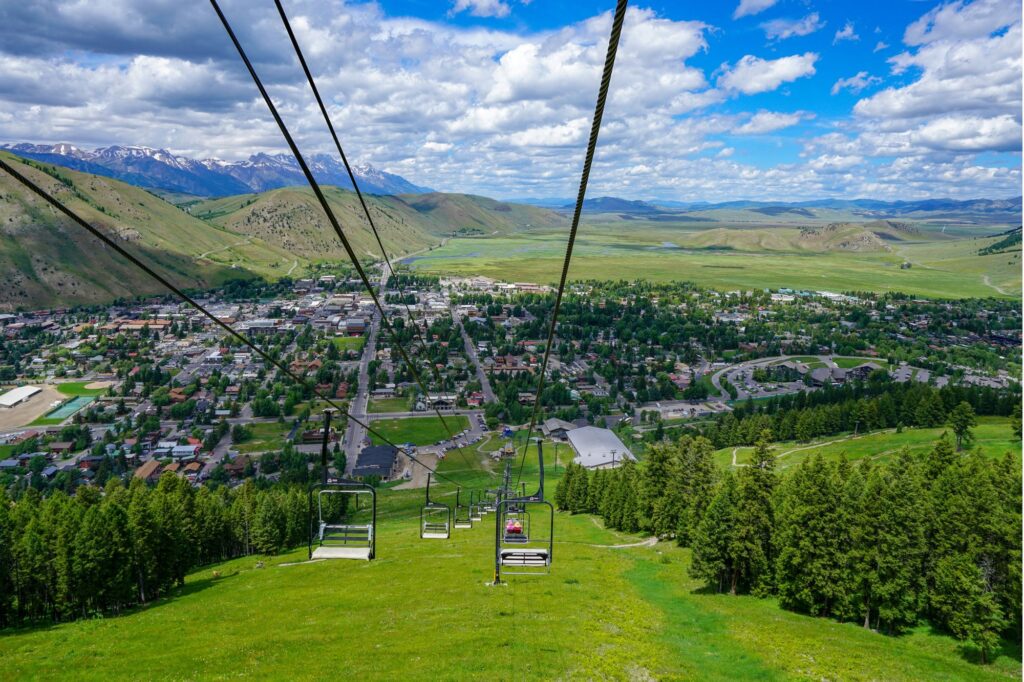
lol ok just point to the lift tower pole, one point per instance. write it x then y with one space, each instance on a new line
323 448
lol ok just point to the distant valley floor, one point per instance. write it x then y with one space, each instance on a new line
944 268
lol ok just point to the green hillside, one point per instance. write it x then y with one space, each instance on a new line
614 607
47 260
292 218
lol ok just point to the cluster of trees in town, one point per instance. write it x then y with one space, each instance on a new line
102 551
932 537
863 406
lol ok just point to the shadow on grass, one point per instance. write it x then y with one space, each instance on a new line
189 588
972 654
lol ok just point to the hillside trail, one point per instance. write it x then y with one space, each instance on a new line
649 542
295 264
225 248
988 283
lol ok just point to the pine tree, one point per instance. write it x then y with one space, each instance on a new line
755 515
810 566
578 495
268 525
6 564
964 604
962 420
713 539
562 489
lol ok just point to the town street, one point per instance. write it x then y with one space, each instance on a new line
354 434
471 352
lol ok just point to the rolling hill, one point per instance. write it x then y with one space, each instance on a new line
46 260
292 218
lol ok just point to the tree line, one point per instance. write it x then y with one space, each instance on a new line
926 538
99 552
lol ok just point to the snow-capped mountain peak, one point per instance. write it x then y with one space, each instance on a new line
161 169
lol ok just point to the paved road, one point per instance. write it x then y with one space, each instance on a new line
355 433
471 352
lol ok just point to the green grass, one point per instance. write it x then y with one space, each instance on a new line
46 421
949 268
993 436
266 436
77 388
423 610
377 405
850 363
344 343
417 430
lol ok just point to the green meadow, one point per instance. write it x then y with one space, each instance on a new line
993 435
745 259
610 609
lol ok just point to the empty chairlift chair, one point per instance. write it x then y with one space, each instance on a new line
474 507
463 515
520 549
435 518
339 529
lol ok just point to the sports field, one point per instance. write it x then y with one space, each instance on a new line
949 268
417 430
613 607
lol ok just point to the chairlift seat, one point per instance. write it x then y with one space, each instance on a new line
524 558
342 552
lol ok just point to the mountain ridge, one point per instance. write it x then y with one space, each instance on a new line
160 169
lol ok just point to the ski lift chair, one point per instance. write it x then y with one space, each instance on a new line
336 534
435 518
517 548
463 515
474 507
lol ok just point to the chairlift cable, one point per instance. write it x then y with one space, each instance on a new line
595 130
348 168
332 219
56 203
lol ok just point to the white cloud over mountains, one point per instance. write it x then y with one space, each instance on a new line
504 112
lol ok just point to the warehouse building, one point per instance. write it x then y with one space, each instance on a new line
598 448
16 396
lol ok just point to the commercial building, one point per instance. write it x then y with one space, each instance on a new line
16 396
598 448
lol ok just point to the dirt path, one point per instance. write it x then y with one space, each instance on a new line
988 283
649 542
295 264
225 248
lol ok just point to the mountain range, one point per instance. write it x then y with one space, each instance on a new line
869 208
159 169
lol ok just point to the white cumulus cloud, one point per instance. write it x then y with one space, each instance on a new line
749 7
845 33
752 75
770 121
780 29
855 83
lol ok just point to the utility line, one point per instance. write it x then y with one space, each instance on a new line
326 207
50 199
595 130
348 168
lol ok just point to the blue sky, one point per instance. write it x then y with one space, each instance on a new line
745 99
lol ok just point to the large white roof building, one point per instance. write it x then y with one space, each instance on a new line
18 395
598 448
